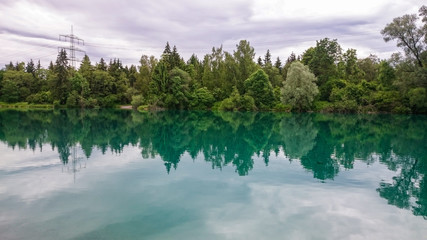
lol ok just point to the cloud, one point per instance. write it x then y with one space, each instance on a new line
312 212
128 29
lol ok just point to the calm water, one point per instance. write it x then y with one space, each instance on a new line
198 175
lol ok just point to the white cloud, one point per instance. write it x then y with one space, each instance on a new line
312 212
309 10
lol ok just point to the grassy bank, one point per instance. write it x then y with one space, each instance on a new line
25 105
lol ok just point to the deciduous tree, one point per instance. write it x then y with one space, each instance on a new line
299 89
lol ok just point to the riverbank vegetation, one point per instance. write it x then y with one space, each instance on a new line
323 78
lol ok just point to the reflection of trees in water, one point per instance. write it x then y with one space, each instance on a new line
409 158
323 143
299 134
408 189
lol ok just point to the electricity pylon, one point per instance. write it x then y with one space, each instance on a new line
73 39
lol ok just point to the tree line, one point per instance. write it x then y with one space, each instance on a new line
323 78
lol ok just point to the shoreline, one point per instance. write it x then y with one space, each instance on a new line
27 106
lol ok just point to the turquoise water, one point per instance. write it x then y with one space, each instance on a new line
115 174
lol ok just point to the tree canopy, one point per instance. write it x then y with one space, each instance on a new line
299 89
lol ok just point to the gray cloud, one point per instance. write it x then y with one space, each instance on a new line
126 30
27 34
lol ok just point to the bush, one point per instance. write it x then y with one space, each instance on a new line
347 106
202 99
142 108
216 106
108 101
41 97
247 103
280 107
386 100
73 100
323 106
227 105
56 104
137 101
326 89
418 99
91 103
401 110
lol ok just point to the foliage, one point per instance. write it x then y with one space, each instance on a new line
300 88
280 107
418 99
236 102
321 59
137 101
386 74
404 29
259 88
244 57
202 99
59 80
323 106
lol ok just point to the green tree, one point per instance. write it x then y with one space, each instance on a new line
259 62
418 100
15 85
292 58
207 76
369 66
300 88
102 66
30 67
267 58
145 74
202 99
244 56
194 68
160 79
59 82
231 76
386 74
175 59
236 102
214 71
259 88
10 66
101 85
407 34
321 59
177 91
278 64
86 68
351 70
10 91
272 71
132 75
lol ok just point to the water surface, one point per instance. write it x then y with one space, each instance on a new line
115 174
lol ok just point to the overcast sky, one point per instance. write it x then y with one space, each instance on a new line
29 29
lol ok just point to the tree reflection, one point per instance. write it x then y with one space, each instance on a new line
323 143
299 134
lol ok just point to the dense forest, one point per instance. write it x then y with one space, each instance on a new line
323 78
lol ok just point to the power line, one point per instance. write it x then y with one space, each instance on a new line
73 40
30 50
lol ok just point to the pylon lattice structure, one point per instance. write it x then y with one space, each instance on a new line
73 39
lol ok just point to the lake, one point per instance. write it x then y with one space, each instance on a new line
119 174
